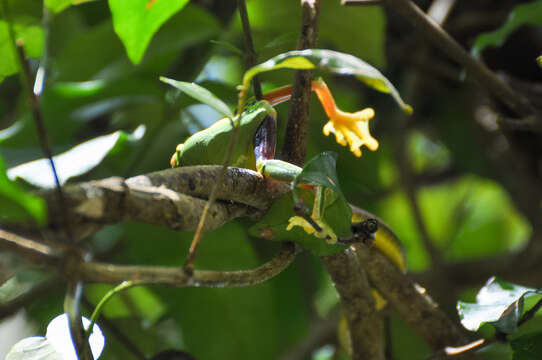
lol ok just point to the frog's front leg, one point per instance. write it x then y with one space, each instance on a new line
264 152
315 224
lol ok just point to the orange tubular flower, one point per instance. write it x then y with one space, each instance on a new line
349 128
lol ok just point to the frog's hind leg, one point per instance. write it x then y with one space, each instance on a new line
315 224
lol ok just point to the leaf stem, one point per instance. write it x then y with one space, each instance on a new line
98 309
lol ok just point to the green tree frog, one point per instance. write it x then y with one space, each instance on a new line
255 148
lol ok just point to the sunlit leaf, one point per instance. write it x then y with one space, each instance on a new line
57 6
33 348
17 204
58 334
76 161
136 21
201 94
57 343
332 61
498 303
524 14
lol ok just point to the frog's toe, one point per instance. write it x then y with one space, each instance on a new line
326 232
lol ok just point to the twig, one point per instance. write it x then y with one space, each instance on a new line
72 307
251 57
81 270
34 104
452 48
32 250
174 276
295 141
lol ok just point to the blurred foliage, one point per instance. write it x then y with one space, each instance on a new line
103 80
521 15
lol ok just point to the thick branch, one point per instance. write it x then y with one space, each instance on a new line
364 322
173 198
408 299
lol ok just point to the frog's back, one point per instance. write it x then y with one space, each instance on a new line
209 146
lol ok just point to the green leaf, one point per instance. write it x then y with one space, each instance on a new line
57 6
17 204
201 94
321 170
332 61
136 21
76 161
26 23
524 14
498 303
527 347
272 226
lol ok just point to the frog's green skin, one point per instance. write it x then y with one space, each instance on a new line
254 148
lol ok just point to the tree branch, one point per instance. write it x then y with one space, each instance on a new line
441 39
295 141
89 271
174 198
364 322
409 299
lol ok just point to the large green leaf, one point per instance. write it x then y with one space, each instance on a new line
76 161
498 303
524 14
332 61
16 204
136 21
201 94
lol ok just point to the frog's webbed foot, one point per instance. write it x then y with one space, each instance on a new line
325 231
